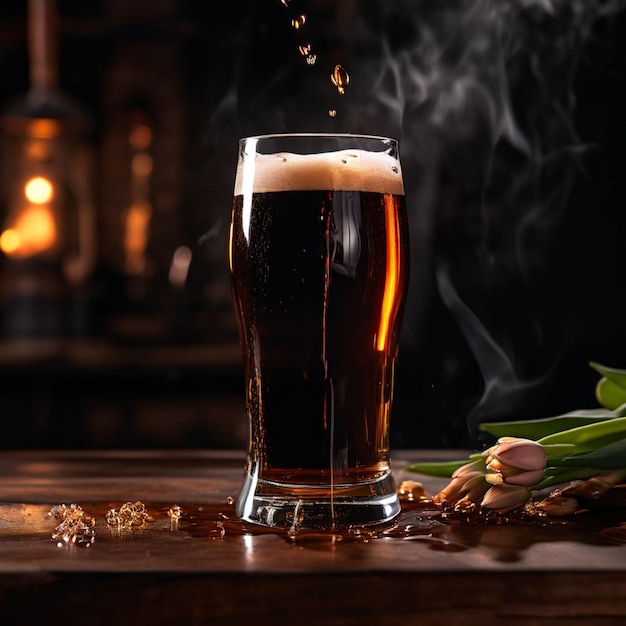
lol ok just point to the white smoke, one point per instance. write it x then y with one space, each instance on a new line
480 94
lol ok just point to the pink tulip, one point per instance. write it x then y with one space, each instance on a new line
467 482
515 461
505 498
469 469
513 477
522 454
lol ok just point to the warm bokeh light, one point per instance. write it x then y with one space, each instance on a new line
141 164
179 268
140 137
136 236
39 190
10 241
34 231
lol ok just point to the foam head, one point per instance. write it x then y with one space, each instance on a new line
345 170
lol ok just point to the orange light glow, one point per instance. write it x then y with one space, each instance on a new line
34 231
10 241
39 190
141 164
136 236
392 278
140 137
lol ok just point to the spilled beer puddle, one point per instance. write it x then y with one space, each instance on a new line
421 520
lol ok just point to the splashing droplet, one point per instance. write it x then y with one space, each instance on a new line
285 2
340 79
332 112
130 515
175 512
305 49
218 532
298 22
75 526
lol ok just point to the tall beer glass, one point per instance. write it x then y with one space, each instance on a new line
319 263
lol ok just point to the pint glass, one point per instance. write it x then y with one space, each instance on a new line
319 267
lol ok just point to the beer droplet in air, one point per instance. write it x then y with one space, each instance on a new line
340 79
298 22
332 112
305 51
285 2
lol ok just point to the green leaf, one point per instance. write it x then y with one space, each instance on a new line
620 411
618 376
611 456
536 429
590 436
611 389
610 394
443 469
557 475
558 450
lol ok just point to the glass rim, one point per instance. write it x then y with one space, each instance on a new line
319 135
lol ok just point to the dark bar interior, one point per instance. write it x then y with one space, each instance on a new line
119 123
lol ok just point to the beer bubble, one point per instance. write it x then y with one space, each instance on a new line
394 169
298 22
340 79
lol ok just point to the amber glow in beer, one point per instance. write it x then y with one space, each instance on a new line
319 258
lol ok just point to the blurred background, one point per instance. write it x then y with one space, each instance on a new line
119 122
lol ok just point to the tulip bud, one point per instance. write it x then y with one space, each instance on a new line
470 469
522 454
470 485
505 498
515 461
526 479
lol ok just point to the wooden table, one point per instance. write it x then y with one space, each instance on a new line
166 573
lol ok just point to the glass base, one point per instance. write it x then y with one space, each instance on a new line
296 506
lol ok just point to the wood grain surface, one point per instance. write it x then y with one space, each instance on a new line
553 572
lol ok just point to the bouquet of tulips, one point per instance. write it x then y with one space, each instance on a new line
544 464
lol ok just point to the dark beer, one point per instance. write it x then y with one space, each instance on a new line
319 278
